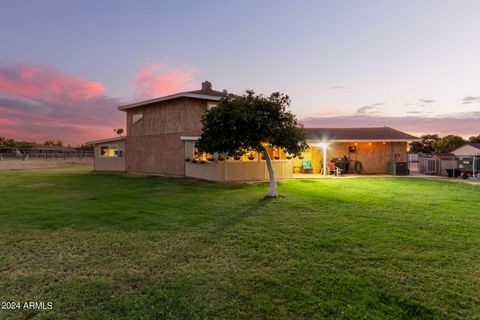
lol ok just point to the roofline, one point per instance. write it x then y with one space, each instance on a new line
106 140
170 97
362 140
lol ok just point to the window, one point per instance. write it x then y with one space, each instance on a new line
109 151
137 117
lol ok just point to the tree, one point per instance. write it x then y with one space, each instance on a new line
449 143
55 143
474 139
11 145
241 124
25 146
426 145
84 147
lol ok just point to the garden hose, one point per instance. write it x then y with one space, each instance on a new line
359 167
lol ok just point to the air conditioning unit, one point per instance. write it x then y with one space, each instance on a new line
398 168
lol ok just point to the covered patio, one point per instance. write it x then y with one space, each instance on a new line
339 151
333 152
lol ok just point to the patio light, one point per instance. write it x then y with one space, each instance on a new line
324 145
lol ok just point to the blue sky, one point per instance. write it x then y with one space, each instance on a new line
409 64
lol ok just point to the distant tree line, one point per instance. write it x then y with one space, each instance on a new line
8 144
434 143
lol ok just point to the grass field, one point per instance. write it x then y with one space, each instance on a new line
107 246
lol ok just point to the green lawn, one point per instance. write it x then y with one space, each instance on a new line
108 246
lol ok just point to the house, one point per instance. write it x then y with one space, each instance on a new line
161 136
470 149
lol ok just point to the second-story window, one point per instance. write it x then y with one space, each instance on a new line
137 117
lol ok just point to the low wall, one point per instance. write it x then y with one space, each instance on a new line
238 171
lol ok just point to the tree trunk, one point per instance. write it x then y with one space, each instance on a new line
272 193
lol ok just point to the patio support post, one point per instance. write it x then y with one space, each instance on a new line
324 146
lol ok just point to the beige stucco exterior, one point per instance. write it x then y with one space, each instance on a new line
238 171
116 163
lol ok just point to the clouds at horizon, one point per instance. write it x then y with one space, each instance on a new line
465 124
156 80
39 103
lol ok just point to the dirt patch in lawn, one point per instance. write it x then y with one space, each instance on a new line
40 163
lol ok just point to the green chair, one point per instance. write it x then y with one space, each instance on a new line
307 166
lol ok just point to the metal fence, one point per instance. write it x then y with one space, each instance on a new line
437 165
79 154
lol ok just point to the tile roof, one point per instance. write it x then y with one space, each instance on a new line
358 134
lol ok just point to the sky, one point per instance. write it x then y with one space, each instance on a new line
413 65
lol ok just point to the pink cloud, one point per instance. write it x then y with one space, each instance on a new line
155 80
44 83
7 122
38 103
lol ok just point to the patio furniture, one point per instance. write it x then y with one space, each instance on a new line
307 166
333 169
342 163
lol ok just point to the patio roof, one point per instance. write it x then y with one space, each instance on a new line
106 140
374 134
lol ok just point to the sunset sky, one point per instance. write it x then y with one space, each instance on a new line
66 65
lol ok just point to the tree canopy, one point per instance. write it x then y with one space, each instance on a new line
449 143
8 145
241 124
426 145
474 139
433 143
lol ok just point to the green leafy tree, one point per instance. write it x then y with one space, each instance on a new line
426 145
474 139
241 124
449 143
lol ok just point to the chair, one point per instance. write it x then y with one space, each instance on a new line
332 168
307 166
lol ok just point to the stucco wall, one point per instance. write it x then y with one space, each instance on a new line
109 163
154 144
238 171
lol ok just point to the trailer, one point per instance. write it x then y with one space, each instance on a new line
470 167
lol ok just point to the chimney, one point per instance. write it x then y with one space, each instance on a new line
206 85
